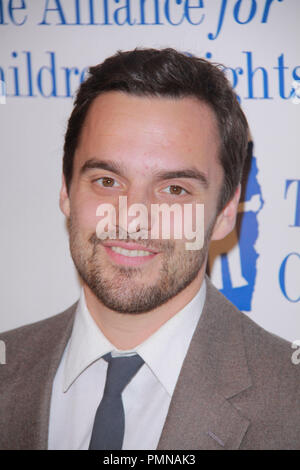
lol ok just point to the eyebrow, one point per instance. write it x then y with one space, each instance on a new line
94 164
191 173
108 165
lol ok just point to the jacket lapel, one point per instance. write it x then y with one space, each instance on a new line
215 369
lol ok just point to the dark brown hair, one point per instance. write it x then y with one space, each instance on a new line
167 73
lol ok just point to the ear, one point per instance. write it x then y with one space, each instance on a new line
64 200
226 219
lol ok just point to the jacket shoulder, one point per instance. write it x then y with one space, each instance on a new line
35 340
273 401
267 347
40 324
260 343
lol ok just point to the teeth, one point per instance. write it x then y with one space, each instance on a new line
124 252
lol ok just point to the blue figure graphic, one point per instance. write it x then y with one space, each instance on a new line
232 261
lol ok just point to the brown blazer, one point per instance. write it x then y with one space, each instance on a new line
238 388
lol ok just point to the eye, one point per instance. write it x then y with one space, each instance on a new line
175 190
107 182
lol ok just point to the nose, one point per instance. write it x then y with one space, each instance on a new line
134 212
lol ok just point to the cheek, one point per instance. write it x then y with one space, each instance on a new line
182 223
83 210
210 208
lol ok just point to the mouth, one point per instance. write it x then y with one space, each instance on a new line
129 254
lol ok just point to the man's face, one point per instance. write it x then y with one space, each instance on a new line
153 151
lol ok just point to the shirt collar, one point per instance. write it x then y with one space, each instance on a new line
170 342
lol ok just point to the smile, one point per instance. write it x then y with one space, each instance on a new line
126 257
130 253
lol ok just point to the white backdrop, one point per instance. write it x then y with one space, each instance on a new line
46 46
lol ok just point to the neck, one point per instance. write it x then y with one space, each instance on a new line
127 330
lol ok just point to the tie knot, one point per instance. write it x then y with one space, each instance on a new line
120 371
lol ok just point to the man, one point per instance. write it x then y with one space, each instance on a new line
153 127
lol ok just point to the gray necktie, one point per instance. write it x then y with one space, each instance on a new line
109 424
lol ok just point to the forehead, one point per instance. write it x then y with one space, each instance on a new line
153 131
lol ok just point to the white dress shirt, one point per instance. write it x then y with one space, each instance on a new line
80 379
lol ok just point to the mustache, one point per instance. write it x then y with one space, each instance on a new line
158 245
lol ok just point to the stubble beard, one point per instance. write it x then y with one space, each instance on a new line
124 289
